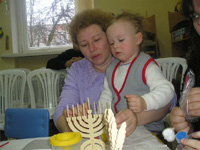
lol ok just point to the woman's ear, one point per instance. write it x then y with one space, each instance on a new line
138 38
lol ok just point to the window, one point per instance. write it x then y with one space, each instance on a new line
41 25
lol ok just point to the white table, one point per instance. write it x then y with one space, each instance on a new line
141 139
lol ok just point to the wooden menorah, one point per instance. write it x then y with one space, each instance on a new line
89 125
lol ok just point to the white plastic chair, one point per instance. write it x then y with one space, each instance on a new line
12 86
45 88
27 101
170 67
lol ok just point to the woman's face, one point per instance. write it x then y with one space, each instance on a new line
196 22
93 44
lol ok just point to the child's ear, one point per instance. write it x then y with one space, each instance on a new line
138 38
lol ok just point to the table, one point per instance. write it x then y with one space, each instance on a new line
141 139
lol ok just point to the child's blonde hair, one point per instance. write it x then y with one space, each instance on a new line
135 19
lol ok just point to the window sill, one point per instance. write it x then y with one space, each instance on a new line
34 54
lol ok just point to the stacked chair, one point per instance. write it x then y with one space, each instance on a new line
12 86
45 88
28 94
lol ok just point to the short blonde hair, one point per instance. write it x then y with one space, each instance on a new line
135 19
86 18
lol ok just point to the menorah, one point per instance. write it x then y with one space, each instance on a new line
89 125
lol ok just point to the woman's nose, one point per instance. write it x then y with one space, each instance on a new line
92 47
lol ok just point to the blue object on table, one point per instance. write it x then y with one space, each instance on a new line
181 135
26 123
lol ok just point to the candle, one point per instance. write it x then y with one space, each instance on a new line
68 111
95 112
83 110
73 110
78 110
88 103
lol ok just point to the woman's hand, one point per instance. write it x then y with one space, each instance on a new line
73 59
194 102
177 117
192 144
178 120
129 117
78 111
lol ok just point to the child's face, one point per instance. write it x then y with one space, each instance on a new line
123 40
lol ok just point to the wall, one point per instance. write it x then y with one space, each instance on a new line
34 62
145 7
5 24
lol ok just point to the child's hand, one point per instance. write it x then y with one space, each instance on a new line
136 103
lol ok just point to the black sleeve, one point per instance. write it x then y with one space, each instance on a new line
58 62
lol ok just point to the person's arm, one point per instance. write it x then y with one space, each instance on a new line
161 91
152 116
62 124
69 95
128 116
136 119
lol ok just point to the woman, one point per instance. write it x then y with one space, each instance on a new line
85 77
191 9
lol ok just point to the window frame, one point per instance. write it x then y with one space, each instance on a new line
19 31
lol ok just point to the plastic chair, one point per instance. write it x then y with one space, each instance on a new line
12 85
170 67
26 123
27 101
45 87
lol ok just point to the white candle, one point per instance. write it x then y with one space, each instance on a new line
68 111
88 103
73 110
